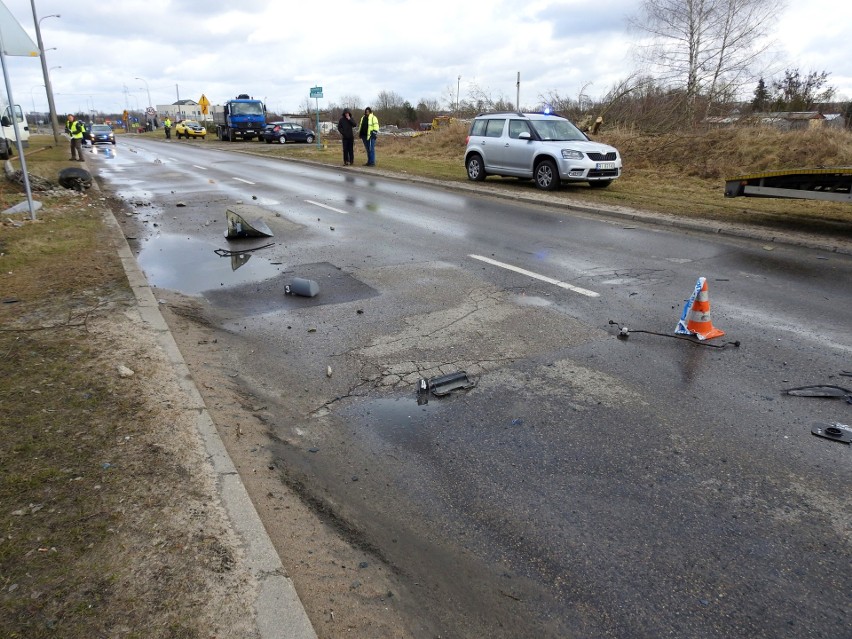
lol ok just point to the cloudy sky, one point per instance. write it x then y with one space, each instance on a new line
277 51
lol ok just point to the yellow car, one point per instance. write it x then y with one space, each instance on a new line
190 129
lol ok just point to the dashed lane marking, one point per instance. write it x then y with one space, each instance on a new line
326 206
543 278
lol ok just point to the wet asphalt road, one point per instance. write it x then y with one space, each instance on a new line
587 486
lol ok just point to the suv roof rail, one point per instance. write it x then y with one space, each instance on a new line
502 113
521 114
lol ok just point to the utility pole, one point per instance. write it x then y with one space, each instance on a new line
50 104
518 94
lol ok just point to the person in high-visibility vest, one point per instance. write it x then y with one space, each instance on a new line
75 129
167 125
368 128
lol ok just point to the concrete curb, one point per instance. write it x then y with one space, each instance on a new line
279 611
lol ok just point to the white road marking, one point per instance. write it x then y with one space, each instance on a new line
543 278
203 168
242 180
326 206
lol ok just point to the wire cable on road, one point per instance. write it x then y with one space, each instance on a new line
624 333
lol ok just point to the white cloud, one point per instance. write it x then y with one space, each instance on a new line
277 52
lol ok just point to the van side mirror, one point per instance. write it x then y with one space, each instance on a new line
5 121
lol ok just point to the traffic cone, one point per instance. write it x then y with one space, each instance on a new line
695 319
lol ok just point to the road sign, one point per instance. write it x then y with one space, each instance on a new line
316 92
203 102
151 111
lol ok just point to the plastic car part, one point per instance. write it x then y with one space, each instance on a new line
821 390
446 383
301 286
835 431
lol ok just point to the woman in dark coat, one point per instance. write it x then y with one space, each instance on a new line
347 126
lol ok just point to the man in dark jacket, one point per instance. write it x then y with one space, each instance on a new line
346 126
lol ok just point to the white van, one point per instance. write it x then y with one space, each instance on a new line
7 131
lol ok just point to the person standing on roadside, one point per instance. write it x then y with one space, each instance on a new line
75 129
167 127
346 126
368 130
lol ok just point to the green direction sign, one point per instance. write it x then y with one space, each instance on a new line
316 92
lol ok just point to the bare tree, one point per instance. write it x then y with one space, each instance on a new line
482 100
705 47
351 102
388 101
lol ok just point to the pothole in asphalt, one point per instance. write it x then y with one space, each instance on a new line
335 287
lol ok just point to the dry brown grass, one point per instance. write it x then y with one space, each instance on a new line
721 153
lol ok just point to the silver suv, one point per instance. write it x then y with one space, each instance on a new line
545 147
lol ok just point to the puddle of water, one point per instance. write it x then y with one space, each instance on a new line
191 267
108 152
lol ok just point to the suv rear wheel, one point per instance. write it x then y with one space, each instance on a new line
475 170
547 175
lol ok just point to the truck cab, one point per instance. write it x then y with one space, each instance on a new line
240 118
7 131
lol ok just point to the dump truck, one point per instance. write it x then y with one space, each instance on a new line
242 118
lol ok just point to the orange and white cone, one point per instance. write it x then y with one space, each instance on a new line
695 319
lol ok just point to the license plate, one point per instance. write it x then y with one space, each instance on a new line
605 165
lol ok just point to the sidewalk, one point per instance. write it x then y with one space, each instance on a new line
279 612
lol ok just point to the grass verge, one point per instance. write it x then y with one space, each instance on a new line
106 527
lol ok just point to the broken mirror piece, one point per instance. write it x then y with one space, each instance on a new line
422 392
237 218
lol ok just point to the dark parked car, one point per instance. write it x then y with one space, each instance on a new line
102 134
284 132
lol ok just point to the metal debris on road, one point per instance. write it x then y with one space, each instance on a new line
835 431
624 333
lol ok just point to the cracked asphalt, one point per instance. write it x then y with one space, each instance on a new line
586 486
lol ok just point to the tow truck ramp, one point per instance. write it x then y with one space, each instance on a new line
832 184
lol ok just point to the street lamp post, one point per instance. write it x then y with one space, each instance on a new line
32 97
51 107
148 118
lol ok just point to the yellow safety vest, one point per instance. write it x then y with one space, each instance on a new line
75 129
